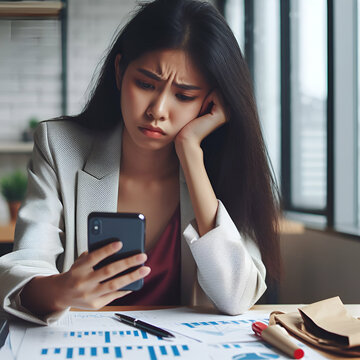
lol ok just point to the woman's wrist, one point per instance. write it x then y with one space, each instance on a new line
187 149
41 295
202 195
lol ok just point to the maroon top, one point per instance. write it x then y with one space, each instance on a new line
162 285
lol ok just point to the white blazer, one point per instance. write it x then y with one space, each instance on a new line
74 171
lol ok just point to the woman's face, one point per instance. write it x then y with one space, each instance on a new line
161 92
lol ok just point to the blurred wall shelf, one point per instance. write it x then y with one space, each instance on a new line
7 233
38 9
6 238
16 148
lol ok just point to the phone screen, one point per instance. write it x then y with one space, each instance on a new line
129 228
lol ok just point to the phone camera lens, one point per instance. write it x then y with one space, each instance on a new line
96 227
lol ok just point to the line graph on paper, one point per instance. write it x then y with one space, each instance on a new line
231 330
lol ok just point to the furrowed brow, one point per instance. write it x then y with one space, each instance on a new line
156 77
187 87
150 74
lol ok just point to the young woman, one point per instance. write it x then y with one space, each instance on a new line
171 130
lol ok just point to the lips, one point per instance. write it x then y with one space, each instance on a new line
154 129
152 132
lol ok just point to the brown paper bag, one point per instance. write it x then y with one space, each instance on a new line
325 324
329 320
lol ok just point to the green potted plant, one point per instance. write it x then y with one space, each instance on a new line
28 133
13 188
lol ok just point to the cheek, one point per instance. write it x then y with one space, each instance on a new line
132 103
185 113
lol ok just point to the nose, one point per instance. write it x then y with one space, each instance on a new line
158 108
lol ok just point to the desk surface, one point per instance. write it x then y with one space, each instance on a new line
353 309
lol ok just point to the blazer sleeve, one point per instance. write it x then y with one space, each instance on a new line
39 232
230 269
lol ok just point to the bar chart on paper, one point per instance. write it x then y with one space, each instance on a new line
151 352
100 337
194 325
85 338
126 343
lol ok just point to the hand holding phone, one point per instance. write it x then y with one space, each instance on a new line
115 262
129 228
81 286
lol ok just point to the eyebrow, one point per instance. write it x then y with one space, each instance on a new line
156 77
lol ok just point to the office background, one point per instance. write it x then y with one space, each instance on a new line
303 57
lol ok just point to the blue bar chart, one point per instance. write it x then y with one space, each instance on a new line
107 336
151 352
85 338
193 325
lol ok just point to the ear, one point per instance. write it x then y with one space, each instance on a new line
118 71
207 103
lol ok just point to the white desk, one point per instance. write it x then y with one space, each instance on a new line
354 310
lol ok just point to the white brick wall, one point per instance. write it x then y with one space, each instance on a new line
91 27
30 61
30 67
30 71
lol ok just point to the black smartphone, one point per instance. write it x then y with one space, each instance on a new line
129 228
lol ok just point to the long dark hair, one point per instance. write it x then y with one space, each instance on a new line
235 155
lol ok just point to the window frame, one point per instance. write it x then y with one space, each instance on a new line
341 213
286 117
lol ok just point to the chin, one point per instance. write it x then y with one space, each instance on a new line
152 145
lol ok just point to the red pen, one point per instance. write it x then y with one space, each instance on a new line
278 337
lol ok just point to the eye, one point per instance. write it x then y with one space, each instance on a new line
144 85
183 97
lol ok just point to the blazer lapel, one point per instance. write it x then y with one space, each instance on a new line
97 183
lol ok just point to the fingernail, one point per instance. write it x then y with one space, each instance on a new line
117 245
141 257
144 270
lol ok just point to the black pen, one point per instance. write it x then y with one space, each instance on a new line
143 326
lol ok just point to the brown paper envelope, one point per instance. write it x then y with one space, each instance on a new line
329 320
293 323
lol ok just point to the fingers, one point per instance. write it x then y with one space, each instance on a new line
101 301
219 106
88 288
206 104
98 255
124 280
108 298
119 266
214 104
